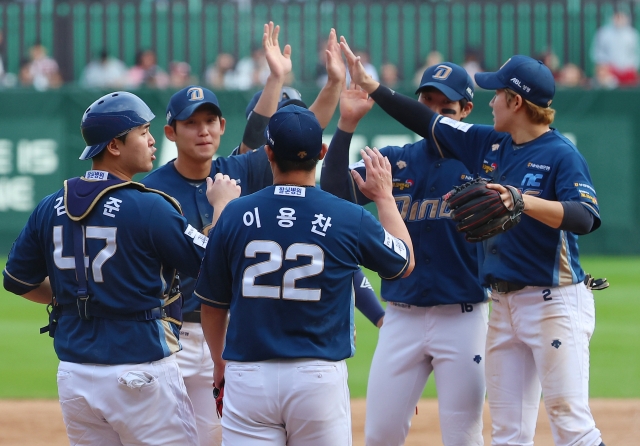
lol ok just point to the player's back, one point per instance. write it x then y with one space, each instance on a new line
291 253
129 270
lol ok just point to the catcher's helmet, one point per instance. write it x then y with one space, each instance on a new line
288 95
109 117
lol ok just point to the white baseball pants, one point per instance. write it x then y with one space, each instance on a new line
286 402
126 404
197 371
413 342
538 340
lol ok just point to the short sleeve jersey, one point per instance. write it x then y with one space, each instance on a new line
253 172
549 167
283 261
446 265
133 242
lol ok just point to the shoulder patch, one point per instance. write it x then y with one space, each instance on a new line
459 125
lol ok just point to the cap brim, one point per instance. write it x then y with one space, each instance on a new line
489 81
297 102
188 111
91 151
449 92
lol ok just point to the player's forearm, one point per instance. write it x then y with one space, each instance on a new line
391 220
268 103
548 212
407 111
325 104
214 328
335 177
42 294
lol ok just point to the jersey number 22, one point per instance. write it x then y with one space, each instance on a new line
288 289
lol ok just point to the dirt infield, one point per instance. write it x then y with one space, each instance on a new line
39 423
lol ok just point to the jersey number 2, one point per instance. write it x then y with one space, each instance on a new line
274 263
106 233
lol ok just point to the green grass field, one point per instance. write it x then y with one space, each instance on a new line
29 367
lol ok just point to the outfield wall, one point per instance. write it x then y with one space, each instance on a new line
40 142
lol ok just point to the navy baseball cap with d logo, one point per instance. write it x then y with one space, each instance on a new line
528 77
186 101
294 134
450 79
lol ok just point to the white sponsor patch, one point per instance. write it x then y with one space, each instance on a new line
198 238
400 248
96 175
462 126
396 244
201 240
388 239
290 191
357 164
191 231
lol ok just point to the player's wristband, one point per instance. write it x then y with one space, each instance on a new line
254 130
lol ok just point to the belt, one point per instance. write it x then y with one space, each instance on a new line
502 286
192 316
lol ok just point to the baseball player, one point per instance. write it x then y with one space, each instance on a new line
543 313
102 253
195 124
436 319
366 300
285 271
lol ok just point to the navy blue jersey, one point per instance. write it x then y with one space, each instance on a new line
283 261
549 167
134 241
253 172
446 265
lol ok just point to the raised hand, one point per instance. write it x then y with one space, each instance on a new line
279 61
378 185
358 74
336 69
354 104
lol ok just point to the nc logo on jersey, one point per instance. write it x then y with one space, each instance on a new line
401 164
195 94
442 72
495 147
532 179
489 168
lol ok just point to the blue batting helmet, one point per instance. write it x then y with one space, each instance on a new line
109 117
289 95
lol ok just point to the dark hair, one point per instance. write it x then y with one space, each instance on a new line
285 166
202 107
463 102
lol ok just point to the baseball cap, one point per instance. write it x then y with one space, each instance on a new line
528 77
450 79
289 95
186 101
294 134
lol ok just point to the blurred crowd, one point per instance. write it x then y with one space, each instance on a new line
614 52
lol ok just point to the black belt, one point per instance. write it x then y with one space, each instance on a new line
502 286
192 316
